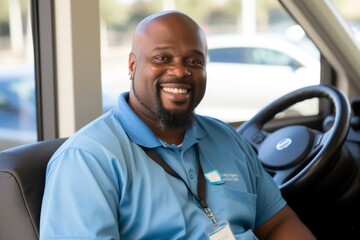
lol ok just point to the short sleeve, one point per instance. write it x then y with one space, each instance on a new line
80 198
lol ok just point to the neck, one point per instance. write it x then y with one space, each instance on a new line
170 136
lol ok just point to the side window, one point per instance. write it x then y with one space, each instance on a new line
17 79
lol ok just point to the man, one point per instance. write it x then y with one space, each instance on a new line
152 169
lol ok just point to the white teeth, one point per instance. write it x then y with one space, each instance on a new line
175 90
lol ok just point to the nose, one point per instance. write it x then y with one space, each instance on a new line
179 70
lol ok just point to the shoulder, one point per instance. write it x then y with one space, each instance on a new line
220 129
211 124
100 137
219 133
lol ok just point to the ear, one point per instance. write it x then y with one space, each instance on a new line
132 65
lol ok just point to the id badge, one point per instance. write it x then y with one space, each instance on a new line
220 231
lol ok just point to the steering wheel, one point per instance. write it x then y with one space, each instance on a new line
296 156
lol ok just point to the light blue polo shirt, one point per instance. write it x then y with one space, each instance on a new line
101 184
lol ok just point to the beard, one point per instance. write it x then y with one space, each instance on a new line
174 119
168 119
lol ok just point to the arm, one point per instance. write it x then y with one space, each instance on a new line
80 198
284 225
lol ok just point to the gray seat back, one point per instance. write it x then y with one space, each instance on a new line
22 178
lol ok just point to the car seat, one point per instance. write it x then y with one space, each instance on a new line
22 180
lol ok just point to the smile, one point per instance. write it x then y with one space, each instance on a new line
175 90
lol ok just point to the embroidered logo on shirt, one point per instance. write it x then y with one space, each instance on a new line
230 177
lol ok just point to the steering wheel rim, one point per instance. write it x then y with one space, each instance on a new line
295 167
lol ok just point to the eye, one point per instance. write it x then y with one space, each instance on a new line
195 63
161 58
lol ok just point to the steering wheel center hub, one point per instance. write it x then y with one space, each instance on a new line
286 147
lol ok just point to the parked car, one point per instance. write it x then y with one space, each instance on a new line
18 105
17 98
242 69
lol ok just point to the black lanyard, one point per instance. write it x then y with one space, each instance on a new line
201 187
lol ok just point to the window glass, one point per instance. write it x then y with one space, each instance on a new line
257 53
17 81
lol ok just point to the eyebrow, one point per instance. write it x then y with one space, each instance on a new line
195 51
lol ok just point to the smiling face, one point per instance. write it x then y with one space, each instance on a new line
167 66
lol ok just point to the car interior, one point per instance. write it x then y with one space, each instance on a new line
313 158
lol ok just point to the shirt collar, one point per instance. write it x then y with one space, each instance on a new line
141 134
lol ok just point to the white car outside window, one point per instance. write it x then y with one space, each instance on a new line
245 73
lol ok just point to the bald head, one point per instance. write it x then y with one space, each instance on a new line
167 22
